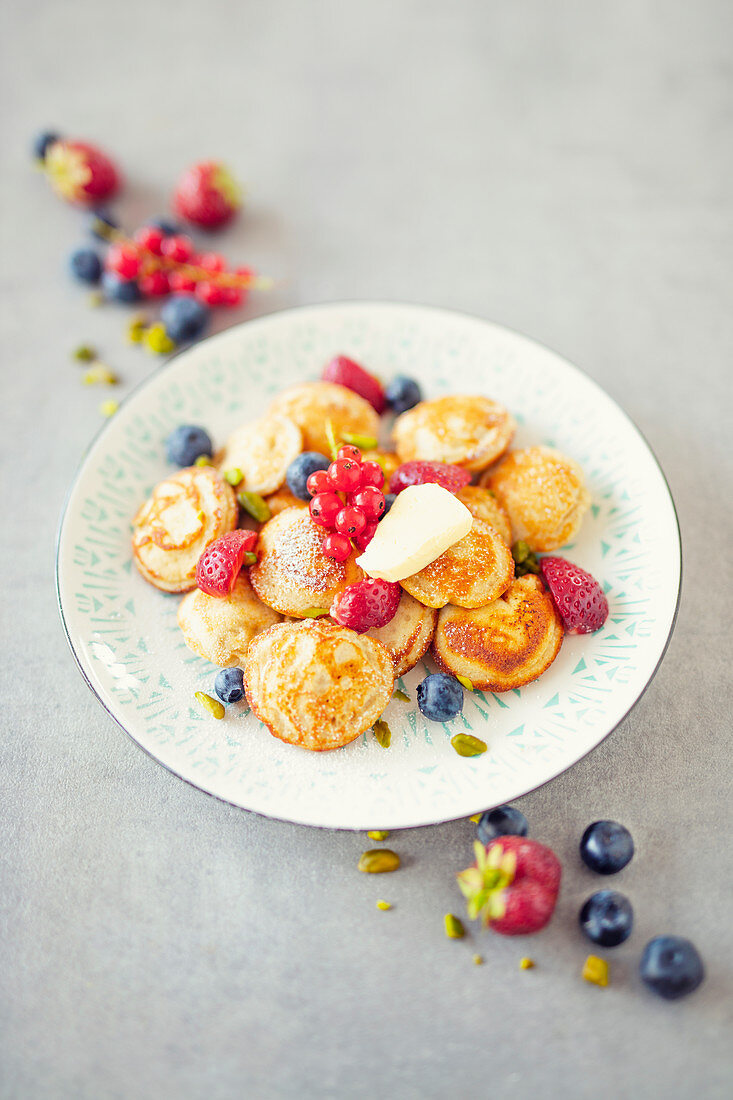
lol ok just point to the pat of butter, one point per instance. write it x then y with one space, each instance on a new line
423 522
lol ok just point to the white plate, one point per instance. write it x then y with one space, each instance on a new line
124 635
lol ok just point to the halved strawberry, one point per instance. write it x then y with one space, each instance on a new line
366 605
220 563
346 372
577 595
452 478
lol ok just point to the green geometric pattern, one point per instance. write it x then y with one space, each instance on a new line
126 637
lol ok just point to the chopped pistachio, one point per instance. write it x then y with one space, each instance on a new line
478 960
376 861
475 818
465 682
254 504
203 460
382 733
384 904
595 970
233 476
249 557
526 963
136 329
454 929
401 695
331 437
213 706
99 375
467 745
109 408
84 354
377 834
363 442
96 298
314 612
521 551
157 339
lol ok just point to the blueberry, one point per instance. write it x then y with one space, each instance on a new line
389 499
167 227
402 393
300 469
85 265
503 821
229 685
184 317
440 697
186 443
606 847
671 967
100 222
42 142
120 290
607 918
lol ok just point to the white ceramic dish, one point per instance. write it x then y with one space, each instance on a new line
124 635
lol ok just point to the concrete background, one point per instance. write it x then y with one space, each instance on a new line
561 168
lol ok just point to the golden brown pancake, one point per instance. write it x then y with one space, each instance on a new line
292 574
543 493
482 504
221 628
504 645
311 404
316 684
471 573
262 450
282 499
408 635
465 431
185 514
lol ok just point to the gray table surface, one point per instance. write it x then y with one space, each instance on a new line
561 168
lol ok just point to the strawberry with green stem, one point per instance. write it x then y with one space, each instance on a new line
513 885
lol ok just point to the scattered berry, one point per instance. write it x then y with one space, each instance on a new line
123 259
178 248
181 282
606 847
607 918
229 685
79 172
150 237
513 885
184 317
344 475
503 821
42 142
211 293
346 372
231 296
119 290
370 501
671 967
154 284
207 195
402 393
366 605
578 597
300 470
186 443
324 507
452 478
372 475
211 261
366 536
350 522
440 697
85 265
220 563
336 546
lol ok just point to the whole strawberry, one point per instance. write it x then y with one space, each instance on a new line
346 372
80 173
220 563
207 195
577 595
366 605
452 478
512 886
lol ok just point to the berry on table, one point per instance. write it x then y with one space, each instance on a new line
336 546
181 282
154 284
671 967
503 821
123 259
79 172
607 918
324 507
229 685
150 237
350 522
452 478
178 248
42 141
344 475
370 501
440 697
211 261
85 265
211 293
207 195
299 472
117 289
402 393
186 443
219 565
366 605
577 595
231 296
513 885
606 847
184 317
346 372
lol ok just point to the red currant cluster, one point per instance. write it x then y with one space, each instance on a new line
348 501
168 264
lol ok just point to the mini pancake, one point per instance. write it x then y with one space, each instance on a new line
316 684
472 572
282 499
184 515
408 635
311 404
262 450
292 574
482 504
504 645
220 629
544 495
466 431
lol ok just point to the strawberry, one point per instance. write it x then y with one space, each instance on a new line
366 605
220 562
80 173
207 195
452 478
512 886
578 597
345 372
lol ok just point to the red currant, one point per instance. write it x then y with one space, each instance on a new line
350 521
177 248
150 238
344 475
371 502
318 482
324 508
347 451
363 540
155 284
245 273
337 547
231 295
211 261
210 293
123 259
180 282
372 474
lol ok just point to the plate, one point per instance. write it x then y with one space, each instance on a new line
124 636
